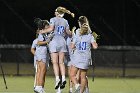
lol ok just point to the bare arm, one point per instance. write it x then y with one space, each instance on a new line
49 29
33 51
42 43
94 45
71 32
72 45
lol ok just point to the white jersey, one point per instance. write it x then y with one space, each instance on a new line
41 50
82 52
34 45
58 43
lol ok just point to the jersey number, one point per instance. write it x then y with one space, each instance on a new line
60 29
82 46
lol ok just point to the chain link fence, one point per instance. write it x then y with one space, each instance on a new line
114 61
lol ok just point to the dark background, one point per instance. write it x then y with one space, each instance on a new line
116 21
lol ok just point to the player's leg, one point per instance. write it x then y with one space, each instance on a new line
73 73
54 57
83 80
38 87
70 82
86 87
62 68
42 73
78 76
35 79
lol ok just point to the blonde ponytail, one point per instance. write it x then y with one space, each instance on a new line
68 12
62 10
84 29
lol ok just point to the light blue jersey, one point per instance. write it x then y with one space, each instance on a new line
34 45
41 50
58 43
60 25
82 52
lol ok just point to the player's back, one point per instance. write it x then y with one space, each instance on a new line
60 25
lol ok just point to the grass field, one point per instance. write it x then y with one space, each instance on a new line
24 84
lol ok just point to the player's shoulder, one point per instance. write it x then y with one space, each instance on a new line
53 18
35 40
89 35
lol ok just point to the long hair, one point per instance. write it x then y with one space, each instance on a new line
84 29
84 20
40 23
62 10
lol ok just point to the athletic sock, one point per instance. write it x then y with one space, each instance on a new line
70 89
38 88
63 78
57 78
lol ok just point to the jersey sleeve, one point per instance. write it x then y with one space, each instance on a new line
67 25
34 44
40 37
52 21
77 32
74 39
92 39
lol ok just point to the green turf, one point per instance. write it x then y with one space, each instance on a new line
24 84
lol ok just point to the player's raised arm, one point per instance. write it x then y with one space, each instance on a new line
49 29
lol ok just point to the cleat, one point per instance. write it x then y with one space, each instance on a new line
63 84
39 90
58 82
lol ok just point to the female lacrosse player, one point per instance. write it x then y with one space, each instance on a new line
83 20
33 49
57 46
82 55
68 56
41 55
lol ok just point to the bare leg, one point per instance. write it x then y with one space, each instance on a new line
83 80
61 63
78 76
86 88
42 67
41 70
62 69
54 57
73 73
37 74
70 82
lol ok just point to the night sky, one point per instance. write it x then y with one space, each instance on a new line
116 21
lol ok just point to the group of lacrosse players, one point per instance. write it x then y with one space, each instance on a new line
55 41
